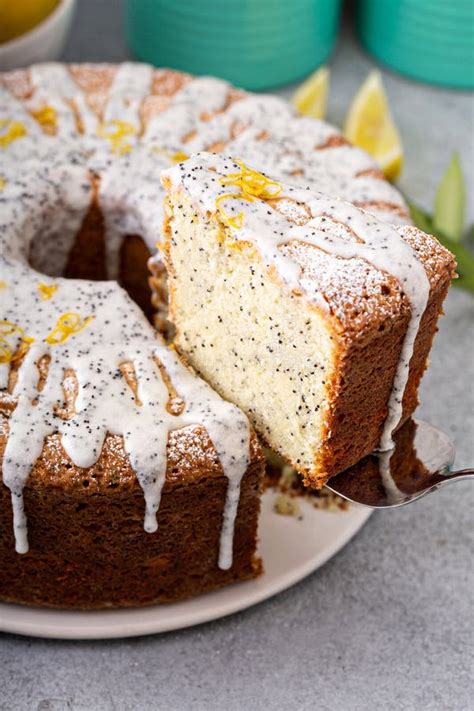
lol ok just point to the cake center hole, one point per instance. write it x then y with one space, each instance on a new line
86 257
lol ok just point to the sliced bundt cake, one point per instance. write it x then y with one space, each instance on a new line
312 315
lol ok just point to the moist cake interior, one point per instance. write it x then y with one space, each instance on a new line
281 354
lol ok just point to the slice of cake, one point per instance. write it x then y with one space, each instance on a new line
312 315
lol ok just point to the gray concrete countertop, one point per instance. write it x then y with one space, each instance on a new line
387 624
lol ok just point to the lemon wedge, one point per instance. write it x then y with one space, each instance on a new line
369 125
311 96
20 16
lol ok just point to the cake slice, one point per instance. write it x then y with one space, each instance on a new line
310 314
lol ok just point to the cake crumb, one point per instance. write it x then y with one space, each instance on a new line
286 505
286 480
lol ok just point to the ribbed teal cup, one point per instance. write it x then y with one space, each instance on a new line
429 40
255 44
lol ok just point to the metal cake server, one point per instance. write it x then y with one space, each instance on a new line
420 463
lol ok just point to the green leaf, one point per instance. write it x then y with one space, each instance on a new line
420 218
470 234
465 260
464 257
450 201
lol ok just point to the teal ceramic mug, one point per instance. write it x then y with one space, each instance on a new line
429 40
255 44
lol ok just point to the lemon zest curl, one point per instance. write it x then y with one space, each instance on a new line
47 291
116 133
46 116
68 324
7 330
252 185
12 130
179 156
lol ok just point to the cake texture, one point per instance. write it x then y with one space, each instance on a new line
314 316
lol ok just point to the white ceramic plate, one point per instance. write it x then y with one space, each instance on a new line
290 548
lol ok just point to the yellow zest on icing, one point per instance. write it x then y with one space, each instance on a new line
235 221
5 351
68 324
46 116
179 156
3 284
116 133
10 131
251 184
3 182
7 330
235 245
47 291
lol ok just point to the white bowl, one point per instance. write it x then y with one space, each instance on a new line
44 42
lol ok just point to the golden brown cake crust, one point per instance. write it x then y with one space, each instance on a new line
369 358
364 383
88 548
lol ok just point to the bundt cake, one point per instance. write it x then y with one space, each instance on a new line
95 409
312 315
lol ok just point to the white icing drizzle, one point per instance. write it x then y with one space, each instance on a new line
377 243
53 85
104 405
170 129
287 152
47 189
131 84
388 482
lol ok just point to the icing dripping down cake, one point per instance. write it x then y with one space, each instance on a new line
314 316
